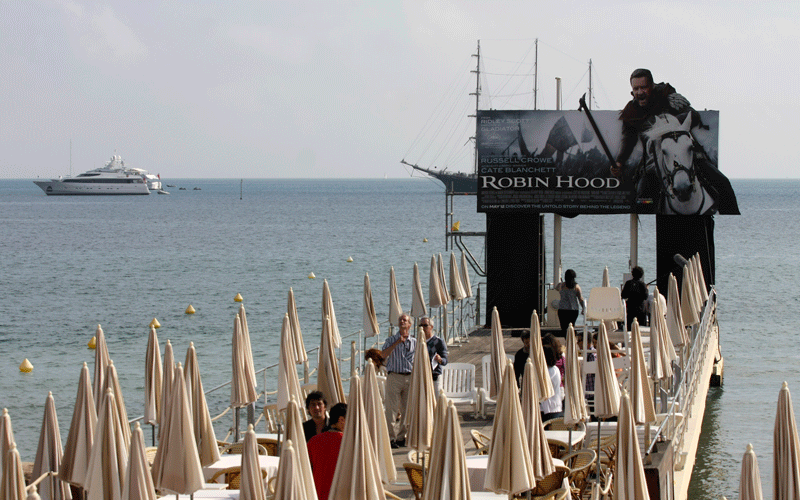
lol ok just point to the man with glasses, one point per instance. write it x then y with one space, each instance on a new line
398 351
437 351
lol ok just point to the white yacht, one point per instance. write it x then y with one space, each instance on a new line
113 178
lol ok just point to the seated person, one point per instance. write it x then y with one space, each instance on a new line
377 360
552 406
316 406
521 357
323 451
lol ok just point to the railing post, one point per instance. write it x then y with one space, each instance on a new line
353 369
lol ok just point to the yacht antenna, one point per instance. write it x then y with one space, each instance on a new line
535 72
70 157
477 95
591 97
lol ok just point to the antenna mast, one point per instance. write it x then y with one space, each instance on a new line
535 73
477 95
591 97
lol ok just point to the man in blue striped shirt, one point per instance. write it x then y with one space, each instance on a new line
398 351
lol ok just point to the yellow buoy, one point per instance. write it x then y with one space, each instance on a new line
311 276
26 366
457 226
92 343
349 259
238 298
424 240
190 309
155 323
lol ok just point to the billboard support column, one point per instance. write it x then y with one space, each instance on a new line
556 248
634 259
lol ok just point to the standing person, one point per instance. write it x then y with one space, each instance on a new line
398 351
316 407
552 406
558 349
323 451
571 300
437 351
521 357
635 294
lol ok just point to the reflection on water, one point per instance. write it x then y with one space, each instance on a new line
708 475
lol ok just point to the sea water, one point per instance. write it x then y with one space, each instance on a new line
70 263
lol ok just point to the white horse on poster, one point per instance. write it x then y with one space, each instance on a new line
670 150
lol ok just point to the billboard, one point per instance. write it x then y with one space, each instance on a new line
553 161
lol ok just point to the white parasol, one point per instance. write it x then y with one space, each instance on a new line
465 276
288 383
243 381
448 477
786 450
12 483
7 436
418 414
299 347
357 476
662 350
167 374
152 379
300 464
456 287
101 361
638 382
139 480
251 484
690 306
630 482
675 324
445 295
370 319
541 459
108 459
418 308
750 479
574 398
329 380
376 419
544 387
75 462
497 355
204 436
49 454
289 484
509 470
328 311
395 311
111 381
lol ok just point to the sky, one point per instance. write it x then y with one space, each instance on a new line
344 89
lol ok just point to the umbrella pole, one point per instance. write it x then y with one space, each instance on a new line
153 428
598 448
236 425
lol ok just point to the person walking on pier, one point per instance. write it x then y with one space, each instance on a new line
398 351
437 351
571 300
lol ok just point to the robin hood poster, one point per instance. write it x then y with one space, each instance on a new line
553 161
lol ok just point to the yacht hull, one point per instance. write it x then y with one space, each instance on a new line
56 187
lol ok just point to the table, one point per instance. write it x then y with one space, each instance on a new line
268 463
476 469
563 436
219 494
487 495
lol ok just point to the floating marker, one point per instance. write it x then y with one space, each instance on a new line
424 240
350 259
155 323
311 276
238 298
26 366
190 309
92 343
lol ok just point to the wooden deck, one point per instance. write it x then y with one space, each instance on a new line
470 352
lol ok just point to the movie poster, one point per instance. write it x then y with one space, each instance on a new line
552 161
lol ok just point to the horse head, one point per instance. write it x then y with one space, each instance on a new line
671 144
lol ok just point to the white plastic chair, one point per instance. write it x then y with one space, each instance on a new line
605 304
458 384
483 392
551 319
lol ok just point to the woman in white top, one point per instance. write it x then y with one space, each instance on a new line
551 407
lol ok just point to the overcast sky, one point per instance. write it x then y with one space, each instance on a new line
338 89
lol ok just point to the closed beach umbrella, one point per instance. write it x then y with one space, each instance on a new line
689 304
288 383
541 459
675 324
662 350
139 480
497 355
176 466
442 280
629 480
395 311
638 382
509 470
249 366
370 319
606 280
698 289
152 379
456 288
418 308
357 476
376 419
49 454
541 377
418 415
300 464
101 361
465 276
701 279
329 379
327 311
786 450
168 375
288 483
750 479
204 436
243 381
606 385
251 485
7 436
108 459
297 335
112 382
448 478
574 398
12 483
434 286
75 461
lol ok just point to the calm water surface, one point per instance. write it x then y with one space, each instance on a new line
71 263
